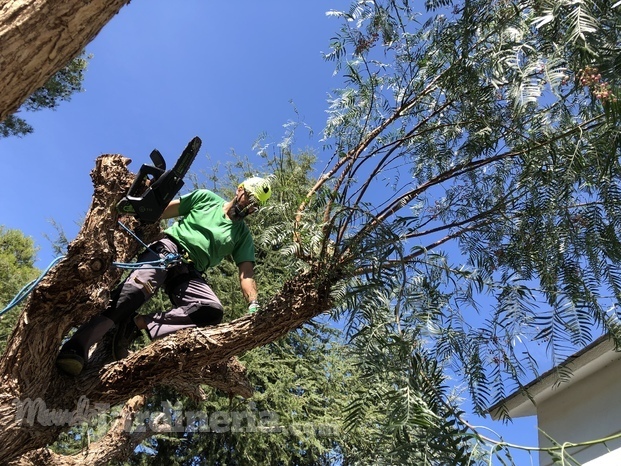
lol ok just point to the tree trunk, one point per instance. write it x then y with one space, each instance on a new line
39 37
117 445
32 391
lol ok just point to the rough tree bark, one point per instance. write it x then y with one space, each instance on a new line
78 288
119 443
39 37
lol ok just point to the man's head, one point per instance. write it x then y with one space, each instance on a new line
258 188
252 193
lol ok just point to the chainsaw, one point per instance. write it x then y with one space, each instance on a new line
154 186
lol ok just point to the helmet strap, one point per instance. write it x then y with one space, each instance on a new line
239 211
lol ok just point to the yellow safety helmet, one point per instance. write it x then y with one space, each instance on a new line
259 188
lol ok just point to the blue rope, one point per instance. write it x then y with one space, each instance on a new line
27 289
134 235
162 263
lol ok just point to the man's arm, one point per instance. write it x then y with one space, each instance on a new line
246 281
171 210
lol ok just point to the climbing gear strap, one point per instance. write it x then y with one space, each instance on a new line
168 260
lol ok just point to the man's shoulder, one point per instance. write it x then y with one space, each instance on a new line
203 194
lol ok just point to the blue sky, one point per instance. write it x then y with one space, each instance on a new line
161 73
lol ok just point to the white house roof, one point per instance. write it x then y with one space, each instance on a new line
582 364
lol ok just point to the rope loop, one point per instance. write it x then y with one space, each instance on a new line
162 263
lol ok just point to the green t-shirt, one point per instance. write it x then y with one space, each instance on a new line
207 234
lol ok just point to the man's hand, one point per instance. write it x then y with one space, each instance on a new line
253 307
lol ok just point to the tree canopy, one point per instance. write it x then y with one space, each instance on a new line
473 156
58 88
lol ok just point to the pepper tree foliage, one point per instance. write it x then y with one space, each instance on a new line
472 197
58 88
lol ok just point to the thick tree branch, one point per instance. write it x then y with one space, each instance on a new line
73 291
187 353
118 443
39 37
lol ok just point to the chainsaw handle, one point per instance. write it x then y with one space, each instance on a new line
147 175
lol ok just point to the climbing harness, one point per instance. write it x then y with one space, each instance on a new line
161 263
154 187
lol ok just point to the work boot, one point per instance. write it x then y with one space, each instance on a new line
70 361
126 332
74 353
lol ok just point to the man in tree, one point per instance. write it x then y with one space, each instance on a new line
209 229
